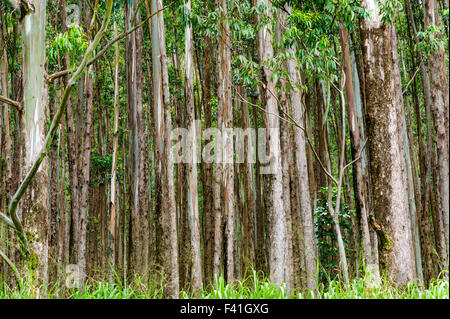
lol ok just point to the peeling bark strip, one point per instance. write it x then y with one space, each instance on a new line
34 207
387 164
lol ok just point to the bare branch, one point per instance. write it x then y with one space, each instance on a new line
358 157
6 100
292 121
412 78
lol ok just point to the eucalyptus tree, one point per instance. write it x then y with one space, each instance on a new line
191 149
440 109
39 247
274 204
168 248
385 142
34 207
226 129
139 228
301 169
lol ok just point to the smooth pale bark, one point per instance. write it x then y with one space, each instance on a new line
191 166
386 153
34 207
440 111
276 218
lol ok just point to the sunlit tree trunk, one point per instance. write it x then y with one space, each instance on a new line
35 206
387 164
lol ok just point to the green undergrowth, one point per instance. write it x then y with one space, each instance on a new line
253 286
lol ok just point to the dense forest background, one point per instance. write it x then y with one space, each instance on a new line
105 106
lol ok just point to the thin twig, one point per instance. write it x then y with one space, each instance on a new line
412 78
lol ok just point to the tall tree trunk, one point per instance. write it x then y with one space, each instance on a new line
387 165
356 144
168 214
227 158
275 208
425 154
301 166
208 185
158 125
113 201
249 191
192 191
138 233
440 111
35 207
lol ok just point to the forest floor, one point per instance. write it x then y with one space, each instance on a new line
251 287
